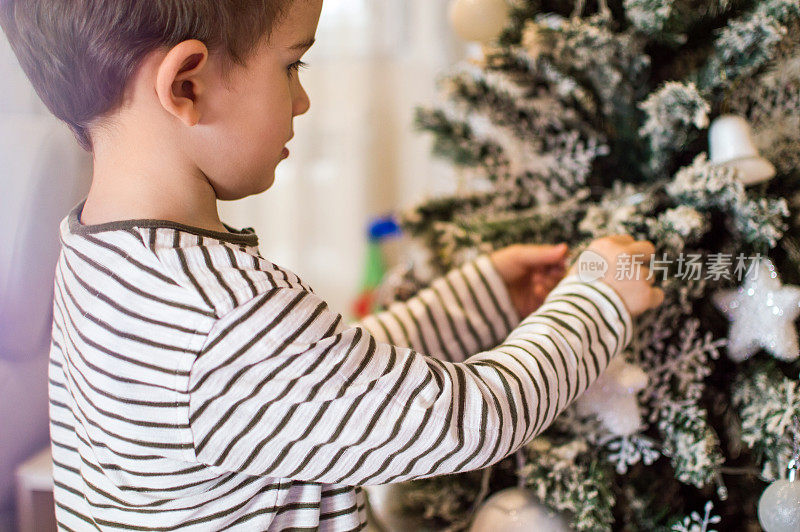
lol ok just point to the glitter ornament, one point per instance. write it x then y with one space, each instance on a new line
762 314
779 506
517 510
479 20
385 511
612 398
731 144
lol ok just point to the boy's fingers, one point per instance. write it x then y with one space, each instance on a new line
621 239
559 271
539 290
545 255
556 273
656 297
642 248
645 275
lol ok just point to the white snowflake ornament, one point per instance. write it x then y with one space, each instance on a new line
612 398
762 314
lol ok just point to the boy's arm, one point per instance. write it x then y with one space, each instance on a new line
460 314
283 389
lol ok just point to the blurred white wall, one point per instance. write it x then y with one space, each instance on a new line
43 173
18 97
355 154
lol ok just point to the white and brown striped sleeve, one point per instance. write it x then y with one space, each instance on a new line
283 389
464 312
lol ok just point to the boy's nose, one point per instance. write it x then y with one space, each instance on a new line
302 103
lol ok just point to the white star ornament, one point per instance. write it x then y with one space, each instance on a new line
762 313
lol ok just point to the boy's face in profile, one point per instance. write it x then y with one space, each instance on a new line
247 123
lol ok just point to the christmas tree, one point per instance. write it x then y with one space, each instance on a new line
586 119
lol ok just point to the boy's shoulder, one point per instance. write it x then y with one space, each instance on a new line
221 270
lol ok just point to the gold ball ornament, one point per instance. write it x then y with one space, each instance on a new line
517 510
385 509
480 21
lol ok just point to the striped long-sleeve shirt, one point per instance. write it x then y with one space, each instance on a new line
195 385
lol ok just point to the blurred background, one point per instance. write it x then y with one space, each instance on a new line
355 156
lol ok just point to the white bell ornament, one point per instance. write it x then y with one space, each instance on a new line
731 144
479 21
517 510
779 506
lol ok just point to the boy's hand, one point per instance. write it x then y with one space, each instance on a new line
635 290
530 273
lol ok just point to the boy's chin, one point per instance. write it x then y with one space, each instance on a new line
268 183
233 194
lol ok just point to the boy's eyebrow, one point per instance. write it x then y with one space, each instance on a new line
308 43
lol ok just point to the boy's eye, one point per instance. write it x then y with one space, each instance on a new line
296 66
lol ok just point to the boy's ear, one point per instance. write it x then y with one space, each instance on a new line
178 83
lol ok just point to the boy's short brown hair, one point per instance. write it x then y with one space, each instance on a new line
80 54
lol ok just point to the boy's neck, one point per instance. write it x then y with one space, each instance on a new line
134 181
103 206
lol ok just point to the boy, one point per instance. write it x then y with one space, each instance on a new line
194 384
